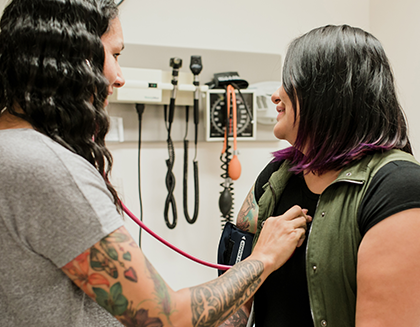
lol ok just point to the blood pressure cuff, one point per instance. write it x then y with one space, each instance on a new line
234 246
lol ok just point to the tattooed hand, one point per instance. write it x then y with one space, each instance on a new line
280 236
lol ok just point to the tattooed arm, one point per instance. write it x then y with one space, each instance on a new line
115 274
238 319
248 214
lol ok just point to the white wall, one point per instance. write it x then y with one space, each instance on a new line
239 25
397 25
265 26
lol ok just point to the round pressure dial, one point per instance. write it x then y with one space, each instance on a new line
218 115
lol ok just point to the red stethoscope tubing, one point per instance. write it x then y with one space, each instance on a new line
142 225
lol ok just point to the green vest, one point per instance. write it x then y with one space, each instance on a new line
334 237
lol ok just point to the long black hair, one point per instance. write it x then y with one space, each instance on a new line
342 82
51 72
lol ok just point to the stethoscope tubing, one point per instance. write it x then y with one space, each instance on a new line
144 227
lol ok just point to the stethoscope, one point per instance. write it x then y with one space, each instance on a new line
143 226
202 262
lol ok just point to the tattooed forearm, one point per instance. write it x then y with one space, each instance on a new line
161 291
217 300
238 319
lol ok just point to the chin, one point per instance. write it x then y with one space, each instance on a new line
277 131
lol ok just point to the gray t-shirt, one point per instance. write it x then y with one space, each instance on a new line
53 206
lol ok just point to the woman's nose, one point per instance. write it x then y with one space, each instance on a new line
120 81
275 98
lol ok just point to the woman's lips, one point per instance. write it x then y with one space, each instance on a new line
280 111
106 100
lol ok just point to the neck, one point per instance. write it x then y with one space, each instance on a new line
318 183
9 121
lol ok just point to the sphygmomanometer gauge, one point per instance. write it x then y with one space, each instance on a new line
217 115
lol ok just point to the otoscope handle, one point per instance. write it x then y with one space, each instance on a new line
176 64
196 118
171 110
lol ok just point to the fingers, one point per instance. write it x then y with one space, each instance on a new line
298 220
296 215
280 236
294 212
302 231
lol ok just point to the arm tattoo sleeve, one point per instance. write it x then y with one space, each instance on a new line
248 214
215 301
238 319
163 297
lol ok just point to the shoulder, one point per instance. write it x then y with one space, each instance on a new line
397 171
36 156
264 176
394 177
70 206
36 167
394 188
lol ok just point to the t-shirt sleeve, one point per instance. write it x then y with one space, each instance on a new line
68 206
394 188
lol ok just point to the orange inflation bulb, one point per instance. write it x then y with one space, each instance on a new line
234 169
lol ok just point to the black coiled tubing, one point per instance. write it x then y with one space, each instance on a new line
195 167
170 180
196 188
226 203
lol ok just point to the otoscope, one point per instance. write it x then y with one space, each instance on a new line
196 67
176 64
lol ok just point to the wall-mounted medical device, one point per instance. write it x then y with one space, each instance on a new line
154 86
216 115
266 109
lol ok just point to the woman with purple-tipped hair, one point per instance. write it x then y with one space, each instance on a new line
350 164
